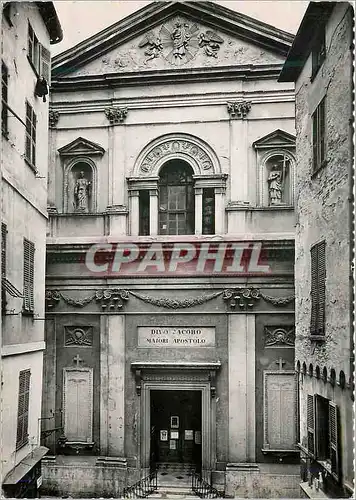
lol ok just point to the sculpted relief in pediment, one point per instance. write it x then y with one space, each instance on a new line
177 42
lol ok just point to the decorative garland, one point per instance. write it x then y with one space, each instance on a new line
176 303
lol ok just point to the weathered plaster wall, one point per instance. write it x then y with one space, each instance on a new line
323 199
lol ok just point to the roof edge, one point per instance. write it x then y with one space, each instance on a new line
51 20
316 14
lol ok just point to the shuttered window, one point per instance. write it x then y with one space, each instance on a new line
318 289
28 275
319 135
334 439
23 406
311 424
30 143
38 55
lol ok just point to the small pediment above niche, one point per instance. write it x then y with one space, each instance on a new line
80 147
276 139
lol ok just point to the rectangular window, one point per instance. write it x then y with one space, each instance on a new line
144 211
319 135
4 98
38 55
318 289
208 211
30 145
28 276
33 49
323 432
318 51
23 406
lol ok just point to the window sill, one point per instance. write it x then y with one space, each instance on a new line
28 313
318 168
317 338
266 451
32 167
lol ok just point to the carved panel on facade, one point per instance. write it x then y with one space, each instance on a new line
279 411
152 44
78 404
279 336
238 109
116 115
211 42
180 41
78 336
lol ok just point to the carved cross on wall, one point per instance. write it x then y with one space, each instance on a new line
280 362
77 360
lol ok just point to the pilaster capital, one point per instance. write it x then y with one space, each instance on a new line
238 110
116 115
53 117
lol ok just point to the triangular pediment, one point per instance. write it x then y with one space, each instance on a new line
175 35
81 146
277 139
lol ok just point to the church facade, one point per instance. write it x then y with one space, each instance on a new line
170 256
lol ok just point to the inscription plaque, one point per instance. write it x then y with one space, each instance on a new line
176 336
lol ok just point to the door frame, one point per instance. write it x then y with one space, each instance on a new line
208 427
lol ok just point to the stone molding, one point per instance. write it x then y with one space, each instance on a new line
114 299
116 116
186 147
238 110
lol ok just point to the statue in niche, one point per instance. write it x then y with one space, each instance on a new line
82 191
276 181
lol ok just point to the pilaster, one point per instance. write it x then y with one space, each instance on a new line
134 212
219 210
153 212
198 211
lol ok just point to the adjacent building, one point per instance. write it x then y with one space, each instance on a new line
27 30
170 256
321 65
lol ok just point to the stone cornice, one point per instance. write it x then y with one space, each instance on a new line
91 82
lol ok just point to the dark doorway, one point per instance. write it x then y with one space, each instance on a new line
176 427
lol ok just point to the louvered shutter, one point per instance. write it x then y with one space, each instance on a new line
320 320
28 131
3 249
45 69
311 424
334 439
23 406
28 276
314 289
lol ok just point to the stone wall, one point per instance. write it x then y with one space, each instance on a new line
325 196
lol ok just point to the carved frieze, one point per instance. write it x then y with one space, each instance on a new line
176 146
153 46
211 42
238 109
53 117
169 303
278 336
244 298
116 115
81 336
112 299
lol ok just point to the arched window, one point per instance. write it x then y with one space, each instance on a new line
176 198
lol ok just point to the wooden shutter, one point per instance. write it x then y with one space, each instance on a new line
315 140
311 424
23 406
321 109
320 320
334 439
314 288
45 69
28 275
